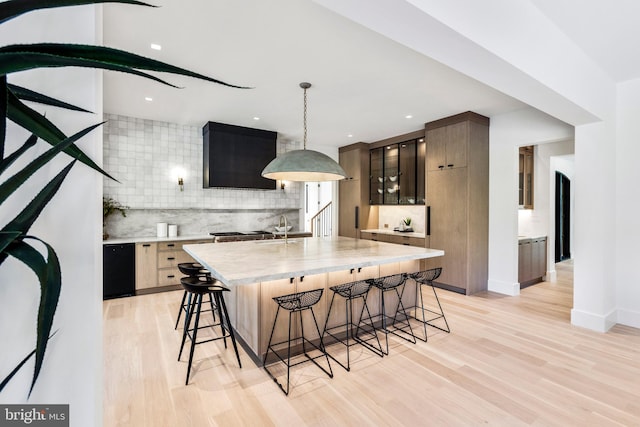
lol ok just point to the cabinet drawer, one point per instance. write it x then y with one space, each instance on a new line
172 258
170 246
169 276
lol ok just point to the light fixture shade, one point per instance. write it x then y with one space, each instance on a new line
304 165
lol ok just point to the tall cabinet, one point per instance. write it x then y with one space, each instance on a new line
457 183
355 213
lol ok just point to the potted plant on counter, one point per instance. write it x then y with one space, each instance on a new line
109 207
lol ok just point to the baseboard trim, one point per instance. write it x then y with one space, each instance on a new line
593 321
551 276
506 288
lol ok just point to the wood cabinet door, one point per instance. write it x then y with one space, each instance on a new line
456 146
447 196
351 163
146 265
436 149
349 199
524 261
539 257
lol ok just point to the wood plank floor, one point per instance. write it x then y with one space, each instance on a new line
508 361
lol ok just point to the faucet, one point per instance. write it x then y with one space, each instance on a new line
285 228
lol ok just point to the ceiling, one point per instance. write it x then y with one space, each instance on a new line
364 85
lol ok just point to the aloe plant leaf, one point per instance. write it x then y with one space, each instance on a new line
13 183
6 237
36 123
30 95
23 221
19 366
6 162
13 8
3 113
50 277
23 57
16 369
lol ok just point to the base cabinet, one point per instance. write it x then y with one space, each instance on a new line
157 264
532 260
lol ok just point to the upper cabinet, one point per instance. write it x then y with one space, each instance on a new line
447 147
525 178
397 173
355 213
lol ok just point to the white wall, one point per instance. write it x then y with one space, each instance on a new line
72 371
627 274
507 132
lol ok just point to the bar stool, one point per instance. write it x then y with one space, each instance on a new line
197 287
296 303
350 292
192 269
426 278
387 284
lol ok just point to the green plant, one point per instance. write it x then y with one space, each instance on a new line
111 206
407 221
14 238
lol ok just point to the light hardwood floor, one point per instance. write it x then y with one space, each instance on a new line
509 361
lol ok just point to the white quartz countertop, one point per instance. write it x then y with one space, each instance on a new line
395 233
262 260
147 239
532 237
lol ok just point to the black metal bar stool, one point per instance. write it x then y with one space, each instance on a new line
426 278
350 292
193 269
197 287
296 303
387 284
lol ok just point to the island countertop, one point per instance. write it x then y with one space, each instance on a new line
249 262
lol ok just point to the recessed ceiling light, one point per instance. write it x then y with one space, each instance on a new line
408 116
148 98
155 46
349 136
256 118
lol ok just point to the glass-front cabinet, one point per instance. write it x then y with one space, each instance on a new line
397 173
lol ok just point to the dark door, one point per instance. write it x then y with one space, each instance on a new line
563 217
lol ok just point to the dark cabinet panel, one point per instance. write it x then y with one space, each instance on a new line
118 272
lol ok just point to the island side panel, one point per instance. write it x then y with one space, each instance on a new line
248 314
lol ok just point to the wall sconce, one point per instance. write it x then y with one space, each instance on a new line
181 184
282 185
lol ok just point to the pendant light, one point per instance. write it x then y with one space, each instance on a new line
304 165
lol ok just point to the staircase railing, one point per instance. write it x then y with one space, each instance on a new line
321 222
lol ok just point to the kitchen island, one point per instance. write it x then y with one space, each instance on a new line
257 271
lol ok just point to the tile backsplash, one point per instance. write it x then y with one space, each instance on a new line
392 215
147 157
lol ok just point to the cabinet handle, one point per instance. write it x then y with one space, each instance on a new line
146 245
440 166
428 220
406 244
171 245
357 210
450 166
170 258
351 271
301 278
359 269
171 276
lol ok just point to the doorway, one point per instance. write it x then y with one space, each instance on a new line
563 217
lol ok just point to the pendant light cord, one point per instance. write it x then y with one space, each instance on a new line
305 119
